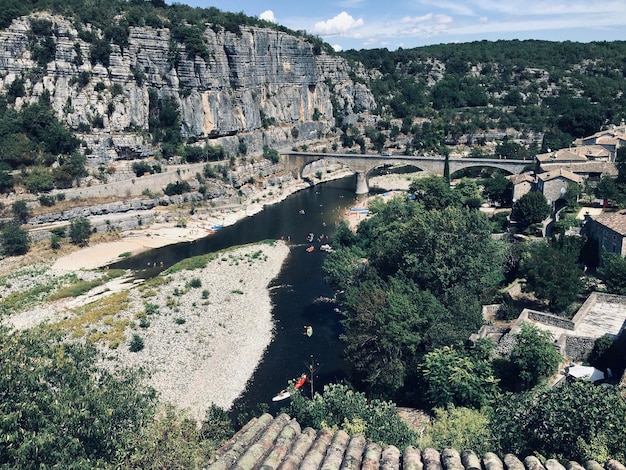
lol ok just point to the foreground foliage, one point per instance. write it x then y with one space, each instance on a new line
340 407
59 410
574 420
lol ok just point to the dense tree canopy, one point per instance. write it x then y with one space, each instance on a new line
574 421
534 357
530 209
457 377
552 272
58 410
412 280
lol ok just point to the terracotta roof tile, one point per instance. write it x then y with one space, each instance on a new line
560 173
615 221
269 443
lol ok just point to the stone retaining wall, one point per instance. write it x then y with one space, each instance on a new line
551 320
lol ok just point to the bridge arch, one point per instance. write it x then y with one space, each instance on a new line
363 164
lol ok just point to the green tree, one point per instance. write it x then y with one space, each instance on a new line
21 212
591 423
6 180
608 190
39 180
271 154
459 428
456 377
552 272
80 231
59 409
174 440
530 209
498 188
340 407
434 192
15 240
385 326
534 357
613 272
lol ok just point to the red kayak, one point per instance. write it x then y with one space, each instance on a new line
301 381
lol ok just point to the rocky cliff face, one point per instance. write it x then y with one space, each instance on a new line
258 76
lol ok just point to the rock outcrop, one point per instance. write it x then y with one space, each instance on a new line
250 79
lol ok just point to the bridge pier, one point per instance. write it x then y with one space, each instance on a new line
361 183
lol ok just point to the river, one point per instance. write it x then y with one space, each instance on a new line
299 293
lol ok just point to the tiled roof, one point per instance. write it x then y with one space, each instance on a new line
595 151
521 178
560 156
606 168
560 173
615 221
269 443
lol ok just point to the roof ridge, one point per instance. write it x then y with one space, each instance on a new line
268 443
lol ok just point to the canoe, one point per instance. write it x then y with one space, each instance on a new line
282 395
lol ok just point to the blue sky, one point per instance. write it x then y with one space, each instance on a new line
367 24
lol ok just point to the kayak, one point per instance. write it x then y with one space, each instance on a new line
282 395
301 381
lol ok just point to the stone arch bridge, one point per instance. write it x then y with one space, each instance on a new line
362 164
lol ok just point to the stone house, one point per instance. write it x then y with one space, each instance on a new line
522 184
590 162
609 229
611 139
553 184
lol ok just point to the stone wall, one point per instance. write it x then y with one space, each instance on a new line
578 348
549 319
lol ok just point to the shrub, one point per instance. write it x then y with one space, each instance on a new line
80 231
195 283
136 343
179 187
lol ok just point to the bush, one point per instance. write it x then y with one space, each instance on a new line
136 343
80 231
14 240
180 187
195 283
47 201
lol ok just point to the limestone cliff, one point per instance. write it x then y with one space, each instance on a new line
250 79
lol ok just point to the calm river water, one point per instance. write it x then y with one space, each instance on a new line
298 293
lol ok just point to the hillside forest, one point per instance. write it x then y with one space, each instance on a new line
410 281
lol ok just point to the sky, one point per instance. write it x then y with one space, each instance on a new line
368 24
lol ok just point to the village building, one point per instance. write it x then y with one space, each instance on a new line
522 184
609 230
611 139
553 184
591 163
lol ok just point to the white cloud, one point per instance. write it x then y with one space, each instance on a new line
423 26
342 24
268 15
337 47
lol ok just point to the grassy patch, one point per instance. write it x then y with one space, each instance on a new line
101 316
126 254
79 286
19 300
199 262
